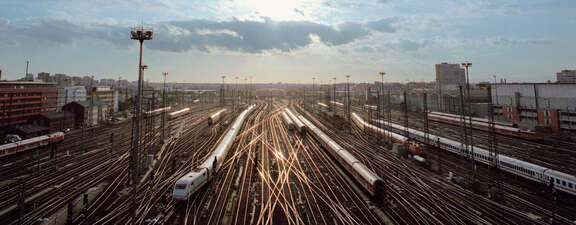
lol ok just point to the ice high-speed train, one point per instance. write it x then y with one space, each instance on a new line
370 181
214 118
562 181
413 147
191 182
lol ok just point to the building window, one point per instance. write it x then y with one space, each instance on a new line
547 112
547 121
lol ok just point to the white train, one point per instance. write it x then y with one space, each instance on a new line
32 143
484 124
214 118
300 127
562 181
412 146
288 121
191 182
370 181
176 114
157 111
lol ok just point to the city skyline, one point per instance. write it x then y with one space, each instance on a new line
289 41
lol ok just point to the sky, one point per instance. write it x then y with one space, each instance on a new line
289 40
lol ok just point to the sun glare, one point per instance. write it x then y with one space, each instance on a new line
276 10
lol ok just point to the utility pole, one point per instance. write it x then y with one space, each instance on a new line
141 34
222 92
235 95
494 152
469 128
381 102
164 74
348 99
464 152
313 91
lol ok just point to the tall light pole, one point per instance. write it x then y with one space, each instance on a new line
250 91
381 103
348 97
235 92
246 90
141 34
495 89
467 65
164 74
222 92
313 90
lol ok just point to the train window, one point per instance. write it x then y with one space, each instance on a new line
563 183
570 185
180 186
557 181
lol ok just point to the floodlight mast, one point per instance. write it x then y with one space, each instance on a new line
141 34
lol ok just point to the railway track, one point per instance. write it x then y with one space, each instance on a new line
416 195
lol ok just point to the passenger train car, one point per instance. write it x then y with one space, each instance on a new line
370 181
412 146
32 143
289 123
191 182
484 124
176 114
157 111
214 118
561 181
298 125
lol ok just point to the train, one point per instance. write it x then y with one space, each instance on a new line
368 180
298 125
412 146
289 123
29 144
371 107
193 181
337 104
176 114
559 180
157 111
484 124
322 105
214 118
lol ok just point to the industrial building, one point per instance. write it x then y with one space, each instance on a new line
56 121
449 76
87 113
106 95
21 101
566 76
535 105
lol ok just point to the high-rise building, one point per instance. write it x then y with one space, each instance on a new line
449 76
566 76
44 76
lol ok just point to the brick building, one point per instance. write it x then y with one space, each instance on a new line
531 105
20 102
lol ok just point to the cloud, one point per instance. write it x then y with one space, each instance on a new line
387 25
204 35
299 12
